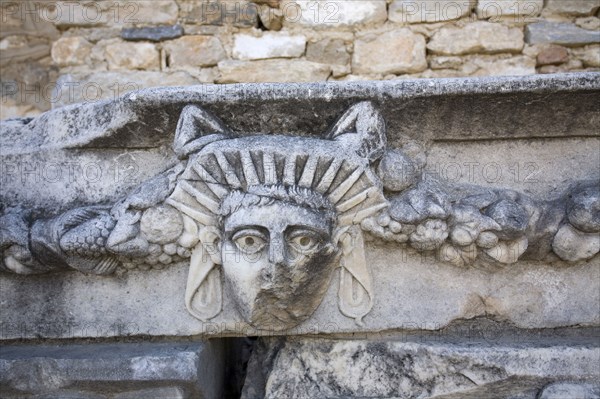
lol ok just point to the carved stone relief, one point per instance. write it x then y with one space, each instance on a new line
266 220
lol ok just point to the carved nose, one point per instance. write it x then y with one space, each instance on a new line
276 251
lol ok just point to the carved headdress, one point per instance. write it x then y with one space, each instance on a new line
332 173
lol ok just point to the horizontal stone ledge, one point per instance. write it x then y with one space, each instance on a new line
303 367
566 34
442 109
116 370
412 293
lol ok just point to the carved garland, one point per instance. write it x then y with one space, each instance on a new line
178 215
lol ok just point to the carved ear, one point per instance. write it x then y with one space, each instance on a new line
363 128
195 129
355 296
203 293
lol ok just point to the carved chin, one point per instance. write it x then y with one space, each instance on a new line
288 299
273 312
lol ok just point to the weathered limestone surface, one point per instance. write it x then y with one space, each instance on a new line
113 371
399 51
457 101
573 7
95 87
488 366
219 13
326 15
421 293
71 51
408 11
155 34
269 45
590 55
498 9
553 55
275 70
411 286
132 56
566 34
330 51
197 50
476 37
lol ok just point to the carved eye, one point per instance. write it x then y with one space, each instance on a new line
249 241
304 242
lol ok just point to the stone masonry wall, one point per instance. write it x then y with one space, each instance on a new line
54 53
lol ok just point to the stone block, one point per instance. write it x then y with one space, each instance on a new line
11 109
573 7
562 390
445 62
155 12
271 18
464 365
16 20
327 14
69 14
124 55
196 50
16 49
154 393
395 52
116 371
411 11
70 51
569 67
476 37
566 34
432 295
75 88
241 13
495 9
328 51
332 52
502 66
589 55
553 55
269 3
152 33
590 23
268 45
272 71
112 13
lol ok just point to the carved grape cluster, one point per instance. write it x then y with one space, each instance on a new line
89 239
159 257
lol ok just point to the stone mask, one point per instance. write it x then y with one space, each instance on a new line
276 215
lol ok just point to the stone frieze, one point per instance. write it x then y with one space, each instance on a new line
265 220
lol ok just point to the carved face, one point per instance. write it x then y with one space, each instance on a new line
278 260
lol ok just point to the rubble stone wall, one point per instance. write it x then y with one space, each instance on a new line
54 53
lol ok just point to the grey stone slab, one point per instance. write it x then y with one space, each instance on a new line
476 248
412 292
427 110
311 368
116 371
537 167
566 34
154 33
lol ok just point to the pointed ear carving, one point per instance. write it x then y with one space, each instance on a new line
203 293
195 129
355 295
363 128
